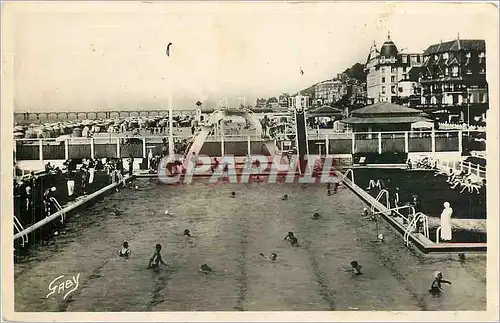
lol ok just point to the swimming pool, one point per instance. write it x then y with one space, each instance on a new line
229 235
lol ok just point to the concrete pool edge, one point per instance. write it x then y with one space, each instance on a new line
422 243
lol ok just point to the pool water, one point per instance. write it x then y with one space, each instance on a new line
432 191
229 234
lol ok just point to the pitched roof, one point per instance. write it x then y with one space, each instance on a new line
456 45
386 108
324 110
384 120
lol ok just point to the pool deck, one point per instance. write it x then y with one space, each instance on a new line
422 243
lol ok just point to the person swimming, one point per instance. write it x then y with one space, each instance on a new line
293 240
205 269
271 257
156 259
356 268
285 197
316 216
233 194
125 251
436 283
187 233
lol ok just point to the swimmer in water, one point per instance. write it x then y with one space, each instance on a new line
233 194
316 216
205 269
156 260
284 198
436 284
293 240
187 233
272 257
356 268
125 251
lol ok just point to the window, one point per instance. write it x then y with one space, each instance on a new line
393 89
383 79
418 58
383 89
404 76
393 78
468 54
482 55
482 70
446 71
445 56
436 57
404 69
393 69
400 89
469 71
405 59
482 98
455 71
382 70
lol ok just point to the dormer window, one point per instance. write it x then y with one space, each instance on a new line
446 56
482 55
436 57
468 55
446 71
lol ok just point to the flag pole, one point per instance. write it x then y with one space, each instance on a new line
171 151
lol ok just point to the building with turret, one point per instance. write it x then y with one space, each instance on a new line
392 75
453 78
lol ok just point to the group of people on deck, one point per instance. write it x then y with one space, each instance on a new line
463 180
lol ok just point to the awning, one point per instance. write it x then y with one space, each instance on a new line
422 125
384 120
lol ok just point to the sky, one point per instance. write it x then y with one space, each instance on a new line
109 56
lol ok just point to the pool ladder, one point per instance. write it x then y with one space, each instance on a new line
19 227
412 221
59 208
438 231
377 199
419 216
347 172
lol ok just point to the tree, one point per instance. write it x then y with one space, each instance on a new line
357 71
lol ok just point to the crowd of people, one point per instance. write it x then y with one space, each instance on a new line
463 180
40 195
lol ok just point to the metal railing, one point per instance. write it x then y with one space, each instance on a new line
438 231
19 228
347 172
59 208
377 199
412 225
